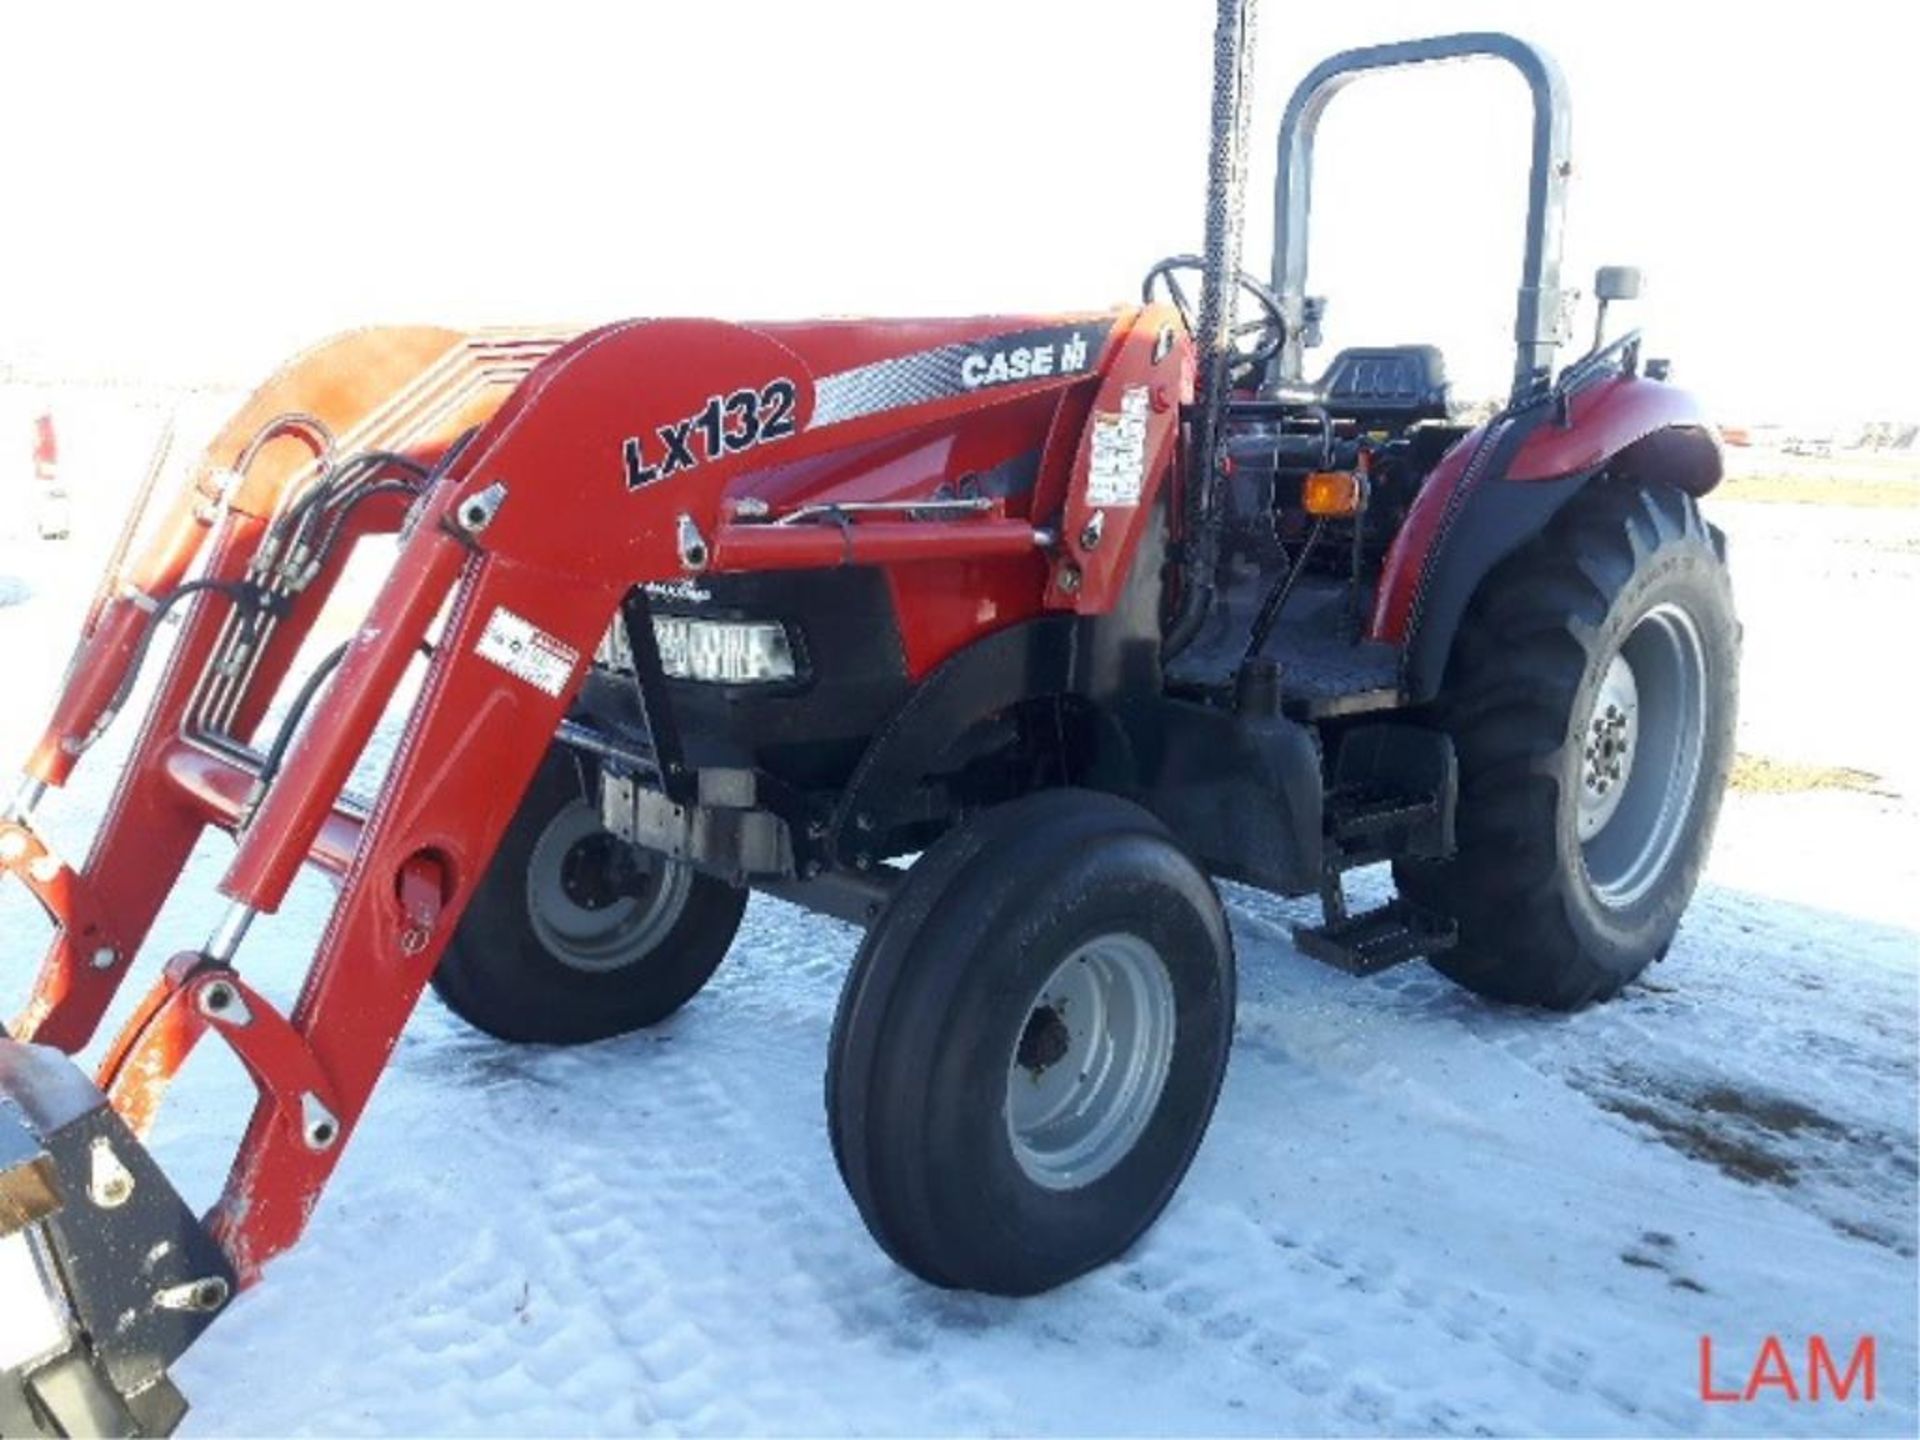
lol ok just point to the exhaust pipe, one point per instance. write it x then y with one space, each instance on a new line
1226 185
106 1277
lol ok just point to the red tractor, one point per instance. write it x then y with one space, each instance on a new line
1081 610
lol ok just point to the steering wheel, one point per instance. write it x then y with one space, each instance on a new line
1267 331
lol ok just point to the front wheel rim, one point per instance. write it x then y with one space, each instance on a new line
1639 754
592 921
1090 1062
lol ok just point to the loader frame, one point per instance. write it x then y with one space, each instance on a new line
495 537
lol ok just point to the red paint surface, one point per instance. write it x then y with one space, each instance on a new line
1407 555
1603 420
563 548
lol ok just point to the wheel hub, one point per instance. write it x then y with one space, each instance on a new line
596 903
1090 1062
1641 755
598 871
1044 1042
1611 738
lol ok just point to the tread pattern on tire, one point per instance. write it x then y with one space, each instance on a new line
898 1198
865 999
1513 679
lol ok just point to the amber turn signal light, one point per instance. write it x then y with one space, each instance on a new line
1333 492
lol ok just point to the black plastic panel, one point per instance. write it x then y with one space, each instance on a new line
1398 383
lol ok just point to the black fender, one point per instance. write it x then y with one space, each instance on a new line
1241 791
1495 518
1031 660
1110 661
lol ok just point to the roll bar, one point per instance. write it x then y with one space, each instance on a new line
1537 321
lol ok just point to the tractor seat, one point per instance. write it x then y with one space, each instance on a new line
1394 384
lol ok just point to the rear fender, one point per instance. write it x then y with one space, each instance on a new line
1504 482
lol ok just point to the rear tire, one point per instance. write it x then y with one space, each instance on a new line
1591 697
1030 1044
575 936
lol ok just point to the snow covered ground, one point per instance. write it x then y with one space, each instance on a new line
1416 1213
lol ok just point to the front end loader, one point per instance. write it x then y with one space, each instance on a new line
1084 611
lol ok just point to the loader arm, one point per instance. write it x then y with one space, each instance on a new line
130 1276
408 391
535 481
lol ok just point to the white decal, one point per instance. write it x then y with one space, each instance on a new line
685 591
1119 461
522 648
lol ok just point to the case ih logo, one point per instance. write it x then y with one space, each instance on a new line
1067 356
1772 1374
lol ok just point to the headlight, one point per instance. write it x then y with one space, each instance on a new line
725 652
33 1321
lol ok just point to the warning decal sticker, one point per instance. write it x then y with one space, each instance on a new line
522 648
1119 460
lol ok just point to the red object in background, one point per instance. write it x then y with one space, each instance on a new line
46 447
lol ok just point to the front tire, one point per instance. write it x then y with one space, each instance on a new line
575 936
1030 1044
1591 698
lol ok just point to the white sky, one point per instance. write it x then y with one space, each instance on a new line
196 190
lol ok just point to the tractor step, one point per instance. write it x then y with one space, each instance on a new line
1365 824
1377 940
1358 815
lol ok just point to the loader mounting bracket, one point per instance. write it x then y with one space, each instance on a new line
138 1277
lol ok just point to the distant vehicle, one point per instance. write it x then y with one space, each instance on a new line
52 507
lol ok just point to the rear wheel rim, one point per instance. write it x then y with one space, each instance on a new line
596 903
1090 1062
1639 757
